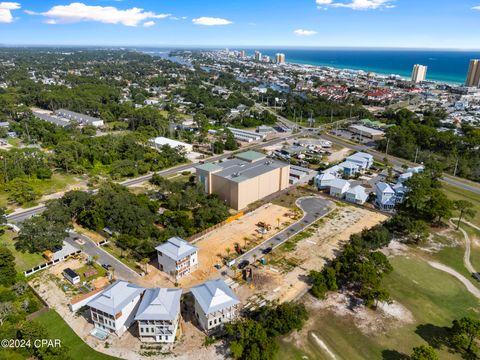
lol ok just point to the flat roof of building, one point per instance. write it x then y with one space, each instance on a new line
251 156
209 167
367 130
238 170
71 273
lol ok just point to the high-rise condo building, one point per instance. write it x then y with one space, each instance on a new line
280 58
419 73
473 77
258 56
242 54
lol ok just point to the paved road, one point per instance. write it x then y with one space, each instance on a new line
122 271
460 183
468 248
468 284
313 208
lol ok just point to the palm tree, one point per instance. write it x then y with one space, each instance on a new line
466 209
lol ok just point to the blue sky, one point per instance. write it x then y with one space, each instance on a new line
322 23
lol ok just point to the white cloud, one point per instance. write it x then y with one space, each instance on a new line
6 11
149 23
476 8
357 4
302 32
78 12
211 21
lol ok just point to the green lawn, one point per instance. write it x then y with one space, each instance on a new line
24 261
59 329
99 269
122 256
433 297
57 183
455 193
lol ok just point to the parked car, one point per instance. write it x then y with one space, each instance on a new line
243 264
106 266
267 250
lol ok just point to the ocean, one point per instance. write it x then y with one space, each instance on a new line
443 66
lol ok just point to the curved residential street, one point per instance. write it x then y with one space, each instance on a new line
313 208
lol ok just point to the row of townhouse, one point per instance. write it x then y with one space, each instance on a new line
157 311
330 179
386 195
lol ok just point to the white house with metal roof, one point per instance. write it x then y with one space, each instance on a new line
339 187
386 198
362 159
113 310
323 181
215 304
177 257
158 315
357 195
349 168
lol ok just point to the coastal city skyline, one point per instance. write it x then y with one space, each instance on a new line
307 23
239 179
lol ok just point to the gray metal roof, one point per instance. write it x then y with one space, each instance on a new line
239 170
80 118
159 304
176 248
339 184
384 187
325 176
214 295
51 119
359 192
115 297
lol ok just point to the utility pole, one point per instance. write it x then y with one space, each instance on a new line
5 178
416 155
386 149
456 168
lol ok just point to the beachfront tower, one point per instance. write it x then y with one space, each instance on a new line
280 58
473 77
419 73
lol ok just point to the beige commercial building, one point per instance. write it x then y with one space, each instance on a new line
473 77
419 73
249 177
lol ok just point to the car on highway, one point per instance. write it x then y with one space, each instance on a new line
243 264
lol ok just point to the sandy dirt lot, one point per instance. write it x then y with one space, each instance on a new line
214 245
284 282
338 155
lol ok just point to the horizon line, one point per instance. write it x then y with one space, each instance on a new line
178 46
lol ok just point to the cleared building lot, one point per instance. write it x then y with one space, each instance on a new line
220 243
